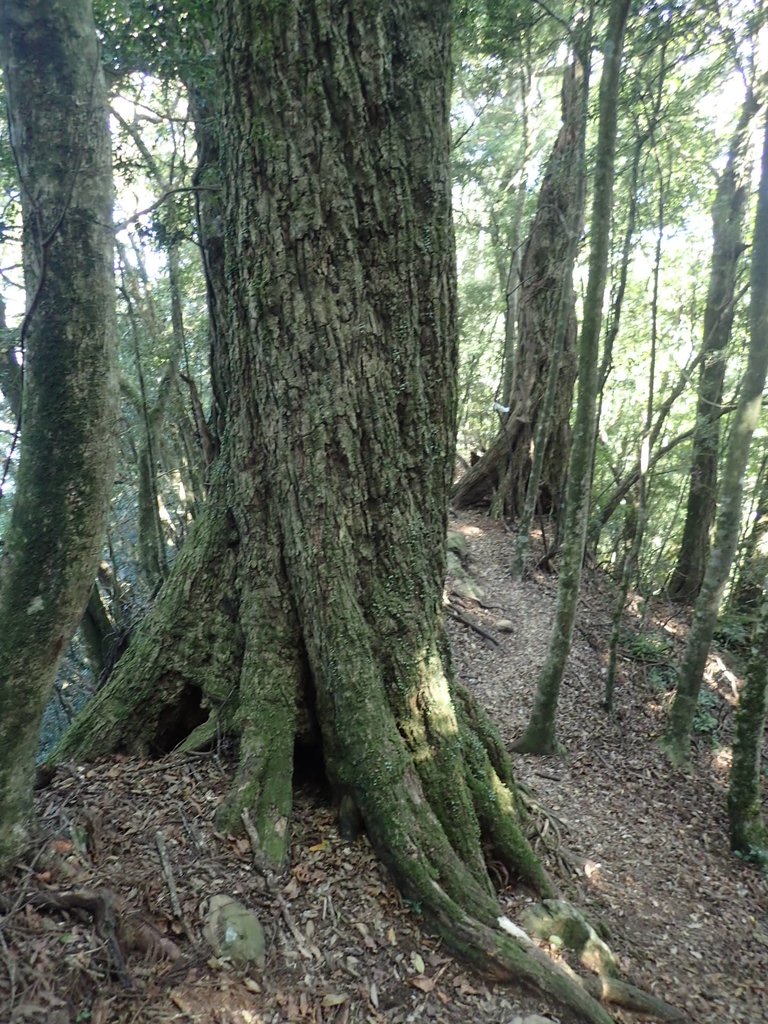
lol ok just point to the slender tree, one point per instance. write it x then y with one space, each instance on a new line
540 733
727 247
58 127
747 592
678 735
749 835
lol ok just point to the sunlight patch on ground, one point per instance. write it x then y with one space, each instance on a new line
467 530
719 677
721 760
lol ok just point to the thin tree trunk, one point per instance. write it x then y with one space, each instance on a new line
204 106
540 733
151 535
58 113
678 736
10 368
728 245
637 513
625 485
749 835
747 593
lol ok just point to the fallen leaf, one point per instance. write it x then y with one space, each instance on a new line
334 999
422 984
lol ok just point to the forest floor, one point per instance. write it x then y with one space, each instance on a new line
93 931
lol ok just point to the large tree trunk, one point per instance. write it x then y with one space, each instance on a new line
58 114
728 245
313 582
546 330
551 436
678 736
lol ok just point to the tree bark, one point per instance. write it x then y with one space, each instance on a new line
749 835
58 126
546 330
728 245
551 437
540 733
678 735
748 591
313 582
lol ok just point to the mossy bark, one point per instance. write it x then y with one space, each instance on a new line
727 247
678 735
749 835
539 736
58 126
184 657
326 529
543 484
544 365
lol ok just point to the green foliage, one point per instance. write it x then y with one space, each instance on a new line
663 677
734 632
754 855
704 721
167 38
648 648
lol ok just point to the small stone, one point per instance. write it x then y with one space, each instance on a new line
505 625
234 931
532 1018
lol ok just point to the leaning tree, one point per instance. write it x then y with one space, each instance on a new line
541 390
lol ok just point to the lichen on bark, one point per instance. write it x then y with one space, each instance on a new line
677 739
317 570
57 108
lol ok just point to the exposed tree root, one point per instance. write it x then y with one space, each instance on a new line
466 620
420 761
558 918
499 955
117 928
186 648
629 997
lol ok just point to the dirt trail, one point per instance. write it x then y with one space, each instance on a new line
645 848
689 919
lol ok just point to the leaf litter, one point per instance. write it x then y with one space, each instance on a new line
103 923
